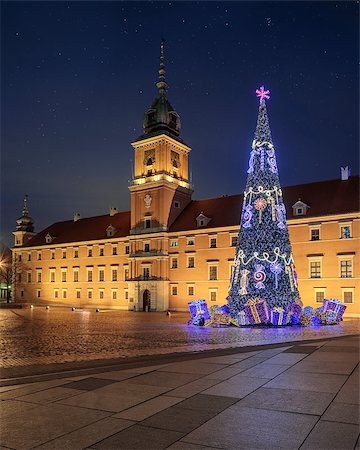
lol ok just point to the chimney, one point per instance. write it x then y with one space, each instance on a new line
345 173
113 211
77 216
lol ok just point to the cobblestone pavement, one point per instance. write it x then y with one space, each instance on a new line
298 396
59 335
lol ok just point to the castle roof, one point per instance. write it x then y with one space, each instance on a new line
322 198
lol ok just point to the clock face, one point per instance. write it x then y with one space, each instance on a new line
147 200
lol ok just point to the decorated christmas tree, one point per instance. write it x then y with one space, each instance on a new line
264 265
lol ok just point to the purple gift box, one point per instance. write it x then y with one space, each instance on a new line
294 310
199 308
278 316
334 305
224 309
242 319
257 311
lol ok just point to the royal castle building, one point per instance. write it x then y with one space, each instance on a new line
170 249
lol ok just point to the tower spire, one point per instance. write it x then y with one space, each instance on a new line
25 211
262 132
161 84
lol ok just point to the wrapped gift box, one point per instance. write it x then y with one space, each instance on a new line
305 320
257 311
198 308
242 319
328 317
278 316
225 309
294 310
334 305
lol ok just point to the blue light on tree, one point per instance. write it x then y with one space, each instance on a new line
264 265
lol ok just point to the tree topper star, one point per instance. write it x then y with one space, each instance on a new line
262 93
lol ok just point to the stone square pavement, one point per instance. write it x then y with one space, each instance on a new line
298 396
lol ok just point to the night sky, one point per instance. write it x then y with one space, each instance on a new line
77 78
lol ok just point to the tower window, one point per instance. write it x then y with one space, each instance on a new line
146 247
147 223
177 204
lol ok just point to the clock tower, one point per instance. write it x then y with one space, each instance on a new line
160 188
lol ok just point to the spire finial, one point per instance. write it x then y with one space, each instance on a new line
25 211
263 94
161 84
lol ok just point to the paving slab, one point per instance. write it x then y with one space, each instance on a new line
349 393
196 367
308 382
305 402
236 387
250 428
301 349
212 403
50 395
139 437
265 370
88 384
117 375
334 356
13 408
328 435
342 412
287 358
148 408
195 387
165 379
179 445
179 419
32 387
332 367
236 368
88 435
46 422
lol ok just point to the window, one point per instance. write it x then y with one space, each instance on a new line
114 274
38 293
89 274
101 294
22 293
102 274
147 223
64 293
114 250
191 241
101 251
90 252
126 294
299 211
146 273
52 254
114 294
345 231
38 276
64 254
212 242
213 295
19 277
315 269
19 257
28 277
76 274
52 275
174 290
314 234
190 290
76 252
56 293
319 294
127 249
78 293
177 204
234 240
89 294
29 257
191 262
126 273
63 275
146 247
212 272
348 295
174 243
346 268
39 256
174 263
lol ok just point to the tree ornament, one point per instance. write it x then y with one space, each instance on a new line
281 216
259 276
244 281
260 204
247 216
276 269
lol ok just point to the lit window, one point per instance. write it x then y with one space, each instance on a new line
315 269
52 275
56 293
346 268
345 231
212 273
191 262
76 253
126 274
174 243
114 251
213 243
174 263
315 234
101 251
174 290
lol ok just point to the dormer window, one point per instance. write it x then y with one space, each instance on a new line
202 220
110 231
48 239
300 208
